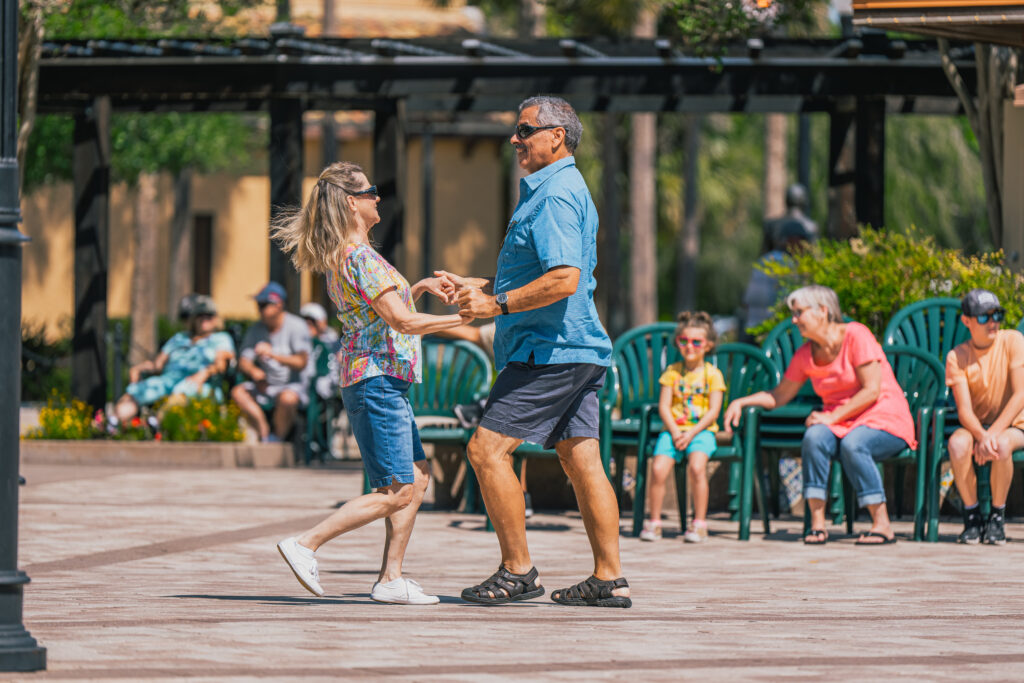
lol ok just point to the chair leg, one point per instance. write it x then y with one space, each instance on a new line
984 489
897 494
753 456
735 483
639 491
619 456
837 503
680 472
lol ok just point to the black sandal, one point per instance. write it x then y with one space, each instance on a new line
504 586
816 537
593 593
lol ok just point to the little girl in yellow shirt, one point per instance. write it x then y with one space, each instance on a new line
691 399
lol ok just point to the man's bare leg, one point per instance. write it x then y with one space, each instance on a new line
489 454
581 460
286 408
251 411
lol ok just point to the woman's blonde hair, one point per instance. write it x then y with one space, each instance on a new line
316 234
697 319
813 296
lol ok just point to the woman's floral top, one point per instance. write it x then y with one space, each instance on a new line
369 346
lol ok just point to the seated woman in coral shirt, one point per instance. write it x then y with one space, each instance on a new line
865 417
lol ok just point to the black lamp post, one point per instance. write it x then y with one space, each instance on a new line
19 651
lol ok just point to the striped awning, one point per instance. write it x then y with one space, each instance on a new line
990 21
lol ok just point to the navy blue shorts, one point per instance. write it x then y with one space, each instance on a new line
545 404
382 422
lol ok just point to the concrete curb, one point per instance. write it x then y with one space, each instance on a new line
148 454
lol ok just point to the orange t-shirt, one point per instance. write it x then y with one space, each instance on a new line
837 382
987 373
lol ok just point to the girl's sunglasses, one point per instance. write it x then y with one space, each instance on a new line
686 341
997 316
371 192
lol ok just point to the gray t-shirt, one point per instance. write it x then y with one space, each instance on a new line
291 338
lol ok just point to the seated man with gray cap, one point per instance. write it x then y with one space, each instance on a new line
274 354
986 375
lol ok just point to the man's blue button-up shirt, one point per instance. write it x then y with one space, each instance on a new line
554 224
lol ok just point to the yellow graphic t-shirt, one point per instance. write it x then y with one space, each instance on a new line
691 391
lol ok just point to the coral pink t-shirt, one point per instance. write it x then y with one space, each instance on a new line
837 382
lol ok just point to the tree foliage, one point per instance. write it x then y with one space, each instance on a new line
880 272
143 143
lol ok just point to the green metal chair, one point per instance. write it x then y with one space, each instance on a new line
933 325
746 370
455 372
638 358
923 380
320 412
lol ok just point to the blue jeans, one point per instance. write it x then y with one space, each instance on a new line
382 422
858 452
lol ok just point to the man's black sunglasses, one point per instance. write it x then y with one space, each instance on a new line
371 191
525 130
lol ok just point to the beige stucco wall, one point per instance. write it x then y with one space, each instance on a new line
468 217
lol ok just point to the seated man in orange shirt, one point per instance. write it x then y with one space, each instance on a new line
986 374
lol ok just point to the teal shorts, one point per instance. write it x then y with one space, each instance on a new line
702 443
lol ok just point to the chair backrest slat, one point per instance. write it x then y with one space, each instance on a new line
454 372
933 325
745 369
919 374
639 357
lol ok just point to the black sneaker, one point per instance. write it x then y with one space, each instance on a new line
971 534
995 533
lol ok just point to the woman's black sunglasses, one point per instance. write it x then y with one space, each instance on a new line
997 316
525 130
371 191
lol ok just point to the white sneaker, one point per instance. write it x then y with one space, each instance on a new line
402 591
651 531
302 566
696 534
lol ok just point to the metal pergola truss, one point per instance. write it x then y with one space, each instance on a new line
857 81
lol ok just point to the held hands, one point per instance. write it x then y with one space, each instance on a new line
441 287
456 282
819 417
986 449
682 439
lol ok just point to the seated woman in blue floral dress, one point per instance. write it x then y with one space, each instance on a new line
185 364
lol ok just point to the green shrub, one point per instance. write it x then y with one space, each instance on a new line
879 272
200 419
45 365
65 418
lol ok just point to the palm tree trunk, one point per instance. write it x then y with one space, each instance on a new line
179 274
643 207
143 304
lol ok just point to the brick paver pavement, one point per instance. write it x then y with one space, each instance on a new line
170 574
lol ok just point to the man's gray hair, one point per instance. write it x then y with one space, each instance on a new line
554 111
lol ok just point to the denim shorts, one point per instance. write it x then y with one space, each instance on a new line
545 404
704 442
382 422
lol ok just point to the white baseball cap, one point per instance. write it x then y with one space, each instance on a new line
313 311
